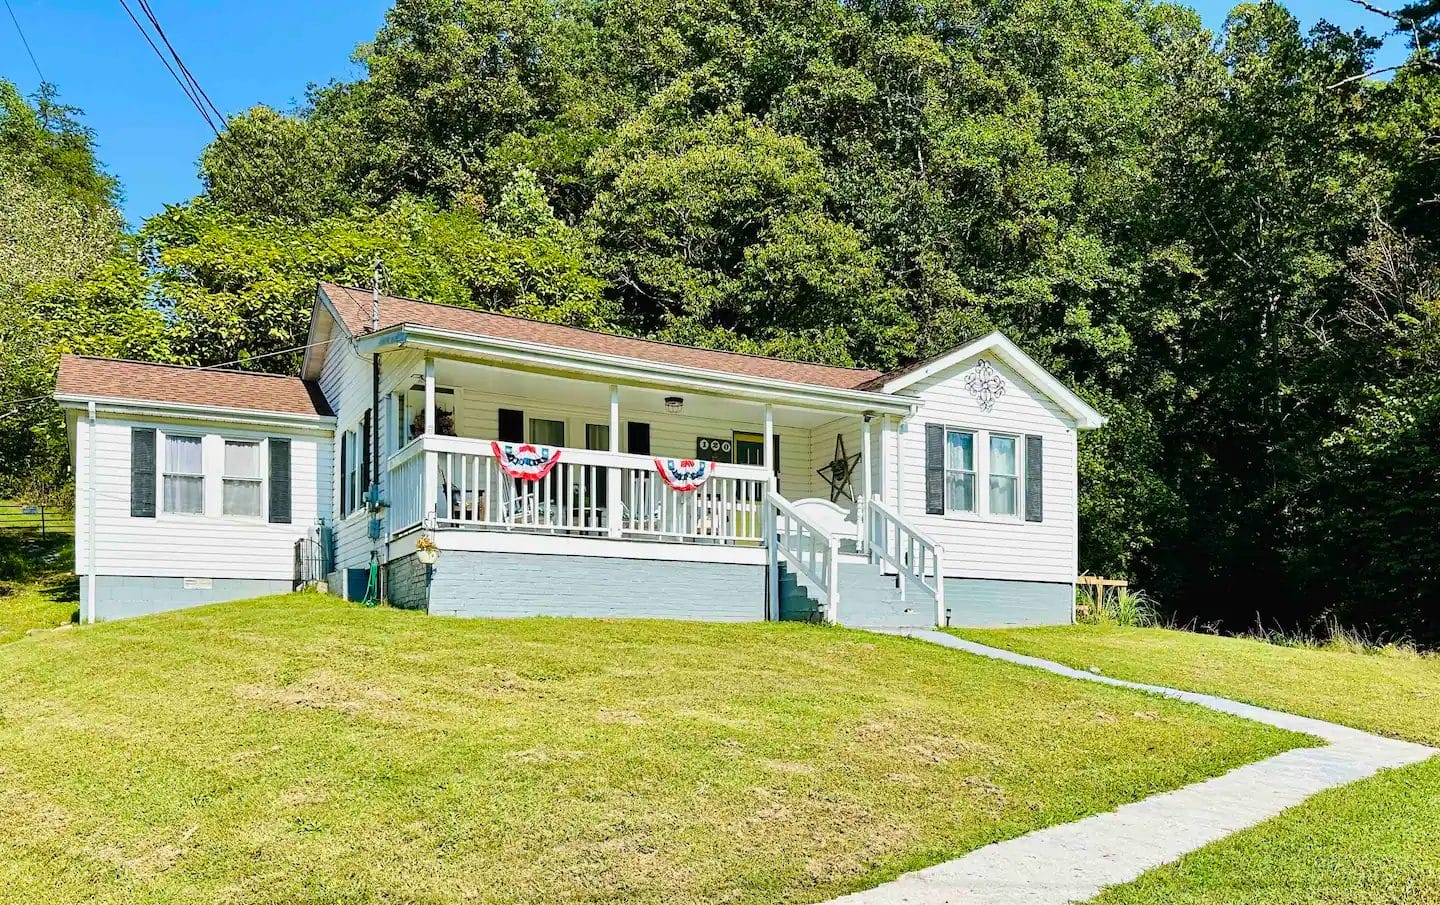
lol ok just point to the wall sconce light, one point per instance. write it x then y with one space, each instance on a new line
674 403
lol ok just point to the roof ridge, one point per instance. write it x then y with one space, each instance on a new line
643 339
179 367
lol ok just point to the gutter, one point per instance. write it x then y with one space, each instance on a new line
154 408
539 356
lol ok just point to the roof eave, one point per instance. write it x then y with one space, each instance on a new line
195 411
544 356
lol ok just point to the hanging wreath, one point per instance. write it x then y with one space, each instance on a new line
684 475
525 460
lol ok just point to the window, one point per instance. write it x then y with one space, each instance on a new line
597 436
242 488
184 475
1004 475
350 466
959 471
544 432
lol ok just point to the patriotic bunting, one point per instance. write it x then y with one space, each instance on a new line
684 475
524 460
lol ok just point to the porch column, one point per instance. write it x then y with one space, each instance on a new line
613 509
862 510
887 460
769 457
431 484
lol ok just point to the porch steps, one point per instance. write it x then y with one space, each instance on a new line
868 599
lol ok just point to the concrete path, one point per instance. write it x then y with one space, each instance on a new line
1074 861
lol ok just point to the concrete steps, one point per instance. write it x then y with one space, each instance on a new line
868 599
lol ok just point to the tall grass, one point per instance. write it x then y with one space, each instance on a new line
1117 606
1331 634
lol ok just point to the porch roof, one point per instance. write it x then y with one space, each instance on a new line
353 305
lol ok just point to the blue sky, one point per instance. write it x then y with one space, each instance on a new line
259 51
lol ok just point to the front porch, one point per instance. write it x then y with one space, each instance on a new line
602 533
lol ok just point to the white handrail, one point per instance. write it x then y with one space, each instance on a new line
914 556
813 552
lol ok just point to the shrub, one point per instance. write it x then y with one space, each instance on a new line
1120 606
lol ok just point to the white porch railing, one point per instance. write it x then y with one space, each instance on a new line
914 557
588 492
807 548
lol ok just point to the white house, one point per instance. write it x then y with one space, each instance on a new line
943 492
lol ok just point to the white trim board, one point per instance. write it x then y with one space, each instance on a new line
464 540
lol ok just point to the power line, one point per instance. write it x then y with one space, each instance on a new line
184 85
21 32
189 76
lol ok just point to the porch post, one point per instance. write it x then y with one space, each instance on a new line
887 460
862 510
429 394
769 456
613 503
431 483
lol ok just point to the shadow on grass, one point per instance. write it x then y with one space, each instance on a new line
38 567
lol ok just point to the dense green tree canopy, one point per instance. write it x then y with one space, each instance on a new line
1225 241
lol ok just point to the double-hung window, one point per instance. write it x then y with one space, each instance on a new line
349 478
959 471
1004 475
184 475
243 485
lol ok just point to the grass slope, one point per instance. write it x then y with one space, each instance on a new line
44 595
299 749
1375 841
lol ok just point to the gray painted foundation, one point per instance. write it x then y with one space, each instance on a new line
123 596
518 584
989 603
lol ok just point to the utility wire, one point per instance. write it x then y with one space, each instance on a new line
184 85
21 32
185 70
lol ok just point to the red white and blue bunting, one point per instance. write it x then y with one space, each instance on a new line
525 460
684 475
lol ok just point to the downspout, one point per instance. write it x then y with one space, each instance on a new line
377 575
90 514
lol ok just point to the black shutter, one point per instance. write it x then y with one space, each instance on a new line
1034 478
934 469
512 426
279 481
638 438
142 472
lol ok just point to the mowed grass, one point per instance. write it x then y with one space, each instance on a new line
1372 842
300 749
1389 694
45 595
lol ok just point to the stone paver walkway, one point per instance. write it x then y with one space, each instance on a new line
1074 861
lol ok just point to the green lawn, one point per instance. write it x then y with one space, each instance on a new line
45 595
300 749
1375 841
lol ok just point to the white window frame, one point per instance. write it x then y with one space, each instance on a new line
982 511
973 472
348 479
263 448
161 508
1019 513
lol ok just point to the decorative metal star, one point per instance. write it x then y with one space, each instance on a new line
839 472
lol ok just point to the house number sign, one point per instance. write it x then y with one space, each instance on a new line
715 449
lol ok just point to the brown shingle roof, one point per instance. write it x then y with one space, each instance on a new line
353 306
82 375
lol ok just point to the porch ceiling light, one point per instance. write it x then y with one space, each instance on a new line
674 403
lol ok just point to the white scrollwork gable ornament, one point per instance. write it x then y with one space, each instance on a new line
985 384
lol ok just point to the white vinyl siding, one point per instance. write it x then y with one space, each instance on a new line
982 544
212 545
